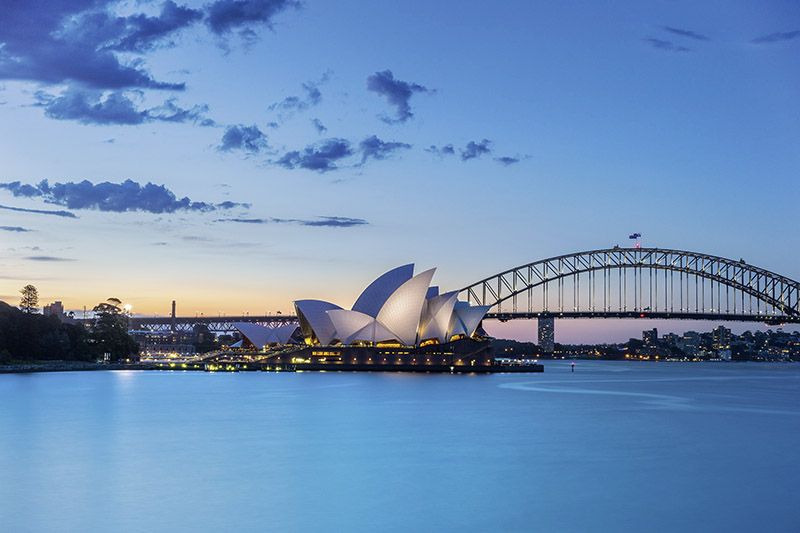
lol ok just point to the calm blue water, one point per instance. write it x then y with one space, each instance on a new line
612 447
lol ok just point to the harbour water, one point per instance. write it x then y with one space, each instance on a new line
610 447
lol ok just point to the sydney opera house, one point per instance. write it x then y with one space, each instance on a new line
399 321
397 309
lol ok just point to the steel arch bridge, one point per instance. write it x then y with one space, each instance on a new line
639 283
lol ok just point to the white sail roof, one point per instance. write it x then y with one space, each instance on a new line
283 334
373 332
348 323
376 294
314 313
258 336
436 316
466 319
402 310
397 306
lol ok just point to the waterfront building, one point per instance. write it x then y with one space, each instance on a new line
397 309
650 337
547 334
721 337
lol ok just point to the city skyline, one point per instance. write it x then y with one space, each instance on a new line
280 163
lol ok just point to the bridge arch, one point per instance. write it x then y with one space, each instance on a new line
639 283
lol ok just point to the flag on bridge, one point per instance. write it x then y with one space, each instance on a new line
635 236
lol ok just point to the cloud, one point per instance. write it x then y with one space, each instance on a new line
47 258
507 160
320 157
142 33
685 33
16 229
320 221
102 45
398 93
777 37
447 149
248 139
233 205
669 46
476 149
114 107
226 16
293 104
318 125
328 155
117 197
64 214
373 147
55 42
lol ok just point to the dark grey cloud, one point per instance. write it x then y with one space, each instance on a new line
242 16
374 148
15 229
243 138
140 33
329 154
777 37
64 214
102 45
318 125
669 46
685 33
507 160
447 149
116 107
320 221
232 205
320 157
47 258
398 93
475 149
311 98
117 197
57 41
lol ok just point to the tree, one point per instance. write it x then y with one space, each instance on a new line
29 303
110 331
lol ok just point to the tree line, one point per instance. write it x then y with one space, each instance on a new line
26 335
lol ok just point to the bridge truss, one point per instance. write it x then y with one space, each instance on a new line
639 283
221 324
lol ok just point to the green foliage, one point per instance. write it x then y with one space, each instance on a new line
29 303
30 336
110 331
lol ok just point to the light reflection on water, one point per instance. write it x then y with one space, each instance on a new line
612 446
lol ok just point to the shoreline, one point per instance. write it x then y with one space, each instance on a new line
70 366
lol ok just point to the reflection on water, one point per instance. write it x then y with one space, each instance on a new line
613 446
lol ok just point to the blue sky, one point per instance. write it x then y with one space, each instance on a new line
321 143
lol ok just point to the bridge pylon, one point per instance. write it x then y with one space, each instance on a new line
546 326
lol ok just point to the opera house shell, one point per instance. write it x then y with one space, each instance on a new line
397 308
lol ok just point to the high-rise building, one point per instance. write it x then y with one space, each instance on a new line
54 309
722 338
650 336
547 334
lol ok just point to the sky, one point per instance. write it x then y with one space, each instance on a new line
236 155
